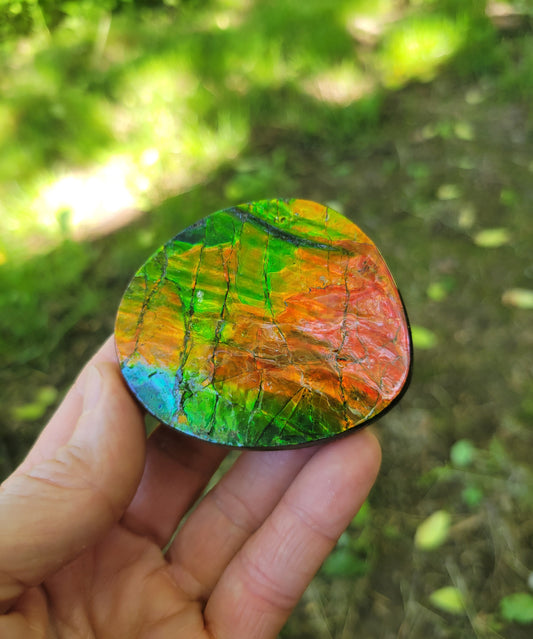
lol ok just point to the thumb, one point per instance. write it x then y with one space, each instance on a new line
59 507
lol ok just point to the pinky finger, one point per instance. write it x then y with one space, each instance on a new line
265 580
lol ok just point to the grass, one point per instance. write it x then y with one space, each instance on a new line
168 95
413 119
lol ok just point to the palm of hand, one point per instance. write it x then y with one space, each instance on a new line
81 554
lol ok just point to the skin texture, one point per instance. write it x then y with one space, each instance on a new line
85 516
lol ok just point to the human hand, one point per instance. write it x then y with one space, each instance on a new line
84 519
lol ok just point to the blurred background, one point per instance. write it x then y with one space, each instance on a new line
124 121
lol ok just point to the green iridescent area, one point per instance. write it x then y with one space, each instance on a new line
270 324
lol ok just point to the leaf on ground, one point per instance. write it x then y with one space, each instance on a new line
462 453
33 411
47 395
363 516
28 412
423 338
472 496
467 216
464 131
492 238
519 297
448 599
508 197
433 531
448 192
517 607
344 563
439 290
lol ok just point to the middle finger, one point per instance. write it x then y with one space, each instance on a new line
229 514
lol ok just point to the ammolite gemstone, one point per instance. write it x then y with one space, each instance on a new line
267 325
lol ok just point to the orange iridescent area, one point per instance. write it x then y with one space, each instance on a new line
271 324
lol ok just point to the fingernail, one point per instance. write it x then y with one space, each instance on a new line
92 389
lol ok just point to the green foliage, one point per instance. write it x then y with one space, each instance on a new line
76 124
472 496
517 607
462 453
440 289
344 563
193 82
418 46
518 79
24 17
353 556
44 398
254 178
30 305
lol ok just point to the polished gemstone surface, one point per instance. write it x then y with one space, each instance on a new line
271 324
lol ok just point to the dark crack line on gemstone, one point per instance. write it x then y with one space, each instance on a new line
344 336
220 322
186 338
303 391
219 381
259 435
212 419
328 258
148 298
359 339
295 240
266 291
257 404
